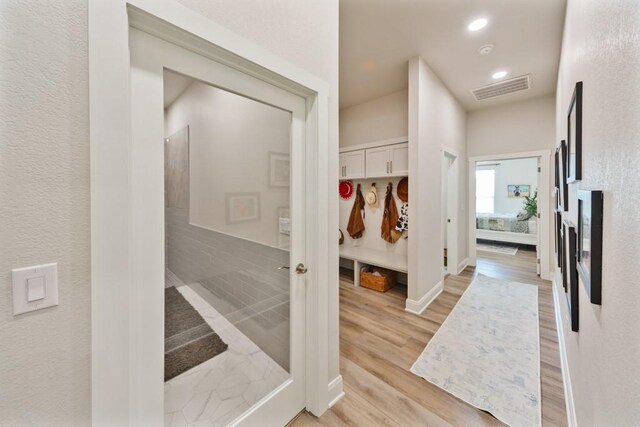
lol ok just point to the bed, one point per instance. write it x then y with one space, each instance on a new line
506 228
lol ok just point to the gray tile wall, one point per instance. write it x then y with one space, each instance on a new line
239 278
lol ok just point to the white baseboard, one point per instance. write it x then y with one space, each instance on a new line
462 265
336 390
417 307
564 362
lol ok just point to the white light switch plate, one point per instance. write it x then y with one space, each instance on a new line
284 226
34 287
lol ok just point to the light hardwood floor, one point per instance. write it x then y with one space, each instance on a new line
379 342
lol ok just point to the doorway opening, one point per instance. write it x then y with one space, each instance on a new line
449 197
507 218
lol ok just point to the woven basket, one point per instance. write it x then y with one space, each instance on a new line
378 283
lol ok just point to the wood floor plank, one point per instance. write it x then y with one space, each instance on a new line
405 411
379 341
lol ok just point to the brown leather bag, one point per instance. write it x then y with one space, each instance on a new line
390 218
355 228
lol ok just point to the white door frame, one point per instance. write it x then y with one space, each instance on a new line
453 200
113 252
544 204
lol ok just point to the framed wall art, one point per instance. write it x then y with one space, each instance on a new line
590 214
557 168
278 169
558 234
574 136
242 207
562 177
518 191
570 274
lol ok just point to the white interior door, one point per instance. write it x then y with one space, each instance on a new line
450 206
538 221
453 207
246 205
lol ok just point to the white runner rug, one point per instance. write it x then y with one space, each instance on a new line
497 248
487 352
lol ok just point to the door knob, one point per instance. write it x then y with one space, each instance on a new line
300 268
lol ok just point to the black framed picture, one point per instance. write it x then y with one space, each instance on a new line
590 214
558 234
556 200
570 274
574 136
563 186
557 161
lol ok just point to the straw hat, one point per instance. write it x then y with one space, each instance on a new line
403 189
372 195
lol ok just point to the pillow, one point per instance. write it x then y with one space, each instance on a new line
523 215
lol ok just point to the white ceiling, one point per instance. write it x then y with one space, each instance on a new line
378 37
174 85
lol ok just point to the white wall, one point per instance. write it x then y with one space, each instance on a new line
44 182
230 141
382 118
44 210
513 172
512 128
601 47
436 120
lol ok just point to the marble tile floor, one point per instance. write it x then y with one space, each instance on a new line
219 390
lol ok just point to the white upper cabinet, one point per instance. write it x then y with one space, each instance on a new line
388 160
399 157
377 161
352 165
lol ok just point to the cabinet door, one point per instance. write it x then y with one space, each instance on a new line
399 156
378 162
354 164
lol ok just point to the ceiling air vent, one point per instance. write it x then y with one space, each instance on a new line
504 87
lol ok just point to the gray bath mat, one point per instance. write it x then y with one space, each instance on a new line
188 339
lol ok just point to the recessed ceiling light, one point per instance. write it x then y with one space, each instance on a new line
478 24
499 74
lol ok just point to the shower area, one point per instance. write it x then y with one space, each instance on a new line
227 288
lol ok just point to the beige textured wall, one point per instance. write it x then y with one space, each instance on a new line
512 128
44 209
601 47
44 181
382 118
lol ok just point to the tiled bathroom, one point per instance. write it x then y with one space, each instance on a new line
226 246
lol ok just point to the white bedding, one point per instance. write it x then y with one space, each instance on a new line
505 222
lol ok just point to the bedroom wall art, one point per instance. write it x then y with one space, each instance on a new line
570 274
590 213
574 136
518 191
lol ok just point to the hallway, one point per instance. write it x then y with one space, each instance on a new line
377 352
